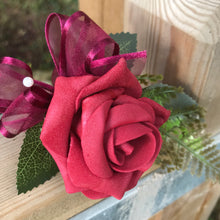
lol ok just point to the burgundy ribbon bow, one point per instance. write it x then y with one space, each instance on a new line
78 47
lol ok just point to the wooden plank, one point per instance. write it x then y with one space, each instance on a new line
108 14
182 38
94 9
197 204
113 16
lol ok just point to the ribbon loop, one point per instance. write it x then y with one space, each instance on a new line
80 47
21 107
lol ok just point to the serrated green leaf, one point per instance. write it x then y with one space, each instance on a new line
216 161
35 164
208 149
194 165
211 154
207 172
127 42
187 159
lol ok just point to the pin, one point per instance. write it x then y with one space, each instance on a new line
28 82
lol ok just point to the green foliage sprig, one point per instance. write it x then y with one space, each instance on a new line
185 142
148 79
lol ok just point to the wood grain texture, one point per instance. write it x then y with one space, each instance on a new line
195 205
94 9
182 38
108 14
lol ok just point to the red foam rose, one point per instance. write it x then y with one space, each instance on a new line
101 134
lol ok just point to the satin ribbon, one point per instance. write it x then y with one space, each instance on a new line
78 47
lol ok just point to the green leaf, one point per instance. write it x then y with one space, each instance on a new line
127 42
35 164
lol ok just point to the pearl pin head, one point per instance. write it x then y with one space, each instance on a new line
28 82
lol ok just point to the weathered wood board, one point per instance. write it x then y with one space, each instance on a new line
108 14
182 38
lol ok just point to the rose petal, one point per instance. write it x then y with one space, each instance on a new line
125 99
146 156
92 141
136 176
116 141
118 77
126 148
144 149
159 141
91 103
94 195
114 157
130 132
126 114
161 113
62 165
97 195
56 128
